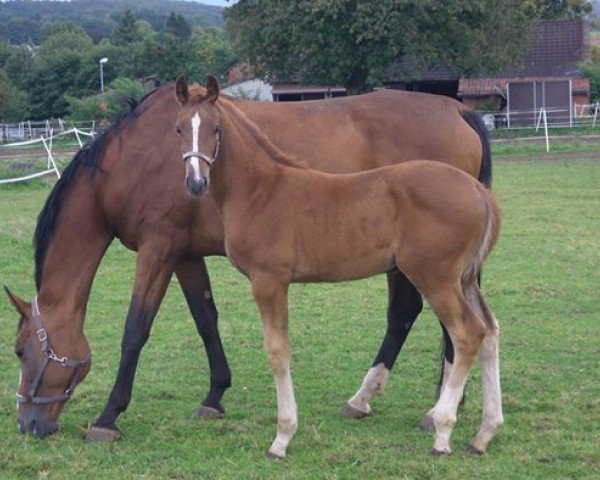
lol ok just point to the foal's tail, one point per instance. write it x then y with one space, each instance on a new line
488 240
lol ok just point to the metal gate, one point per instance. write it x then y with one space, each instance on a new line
527 99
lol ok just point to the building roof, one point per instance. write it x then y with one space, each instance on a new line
555 49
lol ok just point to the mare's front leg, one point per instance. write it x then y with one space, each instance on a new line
195 283
404 305
271 298
153 272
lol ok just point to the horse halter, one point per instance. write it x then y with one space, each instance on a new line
42 336
210 160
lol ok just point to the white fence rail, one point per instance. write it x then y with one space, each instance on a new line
543 119
47 141
31 130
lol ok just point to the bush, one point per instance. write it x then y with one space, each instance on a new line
109 105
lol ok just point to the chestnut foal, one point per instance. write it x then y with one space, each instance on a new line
286 223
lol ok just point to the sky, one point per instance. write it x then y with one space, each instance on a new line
220 3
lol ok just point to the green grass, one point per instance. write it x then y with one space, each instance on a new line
542 281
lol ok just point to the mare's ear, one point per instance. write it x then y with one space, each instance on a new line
212 89
181 89
20 305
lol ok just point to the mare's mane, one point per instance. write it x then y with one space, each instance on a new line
261 139
89 157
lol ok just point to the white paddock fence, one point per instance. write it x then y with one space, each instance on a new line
539 121
25 148
29 130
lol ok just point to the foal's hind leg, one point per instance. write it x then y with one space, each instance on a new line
467 332
492 418
271 298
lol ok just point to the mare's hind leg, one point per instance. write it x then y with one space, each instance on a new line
492 418
404 305
467 332
195 283
271 298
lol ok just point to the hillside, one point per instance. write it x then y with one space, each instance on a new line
24 21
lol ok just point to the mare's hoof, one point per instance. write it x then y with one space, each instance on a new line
440 453
348 411
101 434
475 451
208 413
427 424
271 456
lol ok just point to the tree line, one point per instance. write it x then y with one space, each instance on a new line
347 42
50 79
25 21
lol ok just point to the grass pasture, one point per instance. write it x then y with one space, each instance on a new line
543 282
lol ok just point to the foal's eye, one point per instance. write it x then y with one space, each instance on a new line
178 130
19 353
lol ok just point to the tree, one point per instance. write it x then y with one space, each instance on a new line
553 9
353 42
109 106
13 102
126 30
211 53
178 26
57 68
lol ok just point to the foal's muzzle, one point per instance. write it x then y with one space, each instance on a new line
196 184
196 187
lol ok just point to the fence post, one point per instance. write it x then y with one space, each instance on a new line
595 115
546 130
50 157
539 120
78 137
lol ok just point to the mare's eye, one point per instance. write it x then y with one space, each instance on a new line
178 130
19 353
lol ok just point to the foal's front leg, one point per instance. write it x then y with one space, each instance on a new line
271 298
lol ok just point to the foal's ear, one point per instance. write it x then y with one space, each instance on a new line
181 89
212 89
20 305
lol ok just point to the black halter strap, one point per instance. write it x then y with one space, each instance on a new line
50 356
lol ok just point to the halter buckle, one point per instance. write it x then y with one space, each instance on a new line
52 356
42 335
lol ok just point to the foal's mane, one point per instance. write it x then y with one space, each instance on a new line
89 157
261 139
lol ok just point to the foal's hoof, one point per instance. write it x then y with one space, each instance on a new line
426 424
348 411
208 413
272 456
475 451
440 453
101 434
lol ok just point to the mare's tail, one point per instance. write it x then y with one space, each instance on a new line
475 121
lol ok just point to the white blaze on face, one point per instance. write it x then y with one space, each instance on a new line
20 380
195 161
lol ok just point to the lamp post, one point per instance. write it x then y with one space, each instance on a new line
101 62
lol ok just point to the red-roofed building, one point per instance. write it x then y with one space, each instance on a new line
550 68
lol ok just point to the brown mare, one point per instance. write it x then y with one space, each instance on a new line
111 190
285 223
